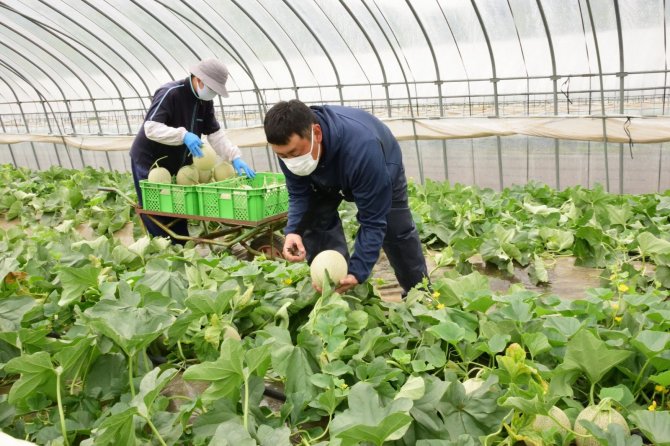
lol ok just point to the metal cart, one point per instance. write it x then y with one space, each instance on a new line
256 237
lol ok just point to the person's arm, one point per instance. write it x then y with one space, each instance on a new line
156 129
372 190
223 145
164 134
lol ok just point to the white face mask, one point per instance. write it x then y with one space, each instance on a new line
303 165
205 93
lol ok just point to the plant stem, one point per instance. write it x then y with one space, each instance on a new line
61 412
130 375
325 431
639 377
246 404
155 431
591 392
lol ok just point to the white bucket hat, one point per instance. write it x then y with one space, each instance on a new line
213 73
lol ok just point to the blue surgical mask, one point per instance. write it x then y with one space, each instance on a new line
303 165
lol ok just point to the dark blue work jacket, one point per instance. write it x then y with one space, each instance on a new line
361 162
174 104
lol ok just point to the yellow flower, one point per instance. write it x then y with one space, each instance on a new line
440 306
653 406
613 277
436 294
343 386
288 281
623 287
617 319
660 389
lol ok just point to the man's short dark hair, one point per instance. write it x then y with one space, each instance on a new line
286 118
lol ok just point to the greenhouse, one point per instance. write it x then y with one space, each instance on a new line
366 222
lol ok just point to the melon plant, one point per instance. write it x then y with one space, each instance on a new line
207 160
188 175
600 415
331 261
223 170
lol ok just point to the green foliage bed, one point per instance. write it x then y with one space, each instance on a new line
93 333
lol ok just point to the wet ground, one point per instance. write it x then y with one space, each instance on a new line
565 278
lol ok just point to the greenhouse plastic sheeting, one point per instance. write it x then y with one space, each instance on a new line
619 130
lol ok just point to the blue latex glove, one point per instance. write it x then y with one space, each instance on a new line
243 168
193 143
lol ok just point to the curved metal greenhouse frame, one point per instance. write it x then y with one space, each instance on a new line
485 92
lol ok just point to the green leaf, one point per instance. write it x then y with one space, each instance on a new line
203 302
654 424
448 331
165 277
537 343
75 281
151 385
414 388
258 359
651 342
537 271
226 373
12 311
662 379
651 245
267 436
117 430
620 393
592 356
37 375
131 327
231 433
7 265
367 420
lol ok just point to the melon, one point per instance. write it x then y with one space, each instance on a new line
331 261
204 176
188 175
543 423
223 170
160 175
207 160
601 417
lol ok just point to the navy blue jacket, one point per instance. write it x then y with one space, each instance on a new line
362 162
174 104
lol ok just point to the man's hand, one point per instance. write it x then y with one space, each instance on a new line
193 143
243 168
345 285
294 250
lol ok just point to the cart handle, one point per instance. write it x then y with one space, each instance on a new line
117 191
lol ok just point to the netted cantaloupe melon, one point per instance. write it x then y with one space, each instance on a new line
207 160
331 261
188 175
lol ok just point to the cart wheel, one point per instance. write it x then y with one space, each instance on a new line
270 246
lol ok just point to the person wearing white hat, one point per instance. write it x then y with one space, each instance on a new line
180 113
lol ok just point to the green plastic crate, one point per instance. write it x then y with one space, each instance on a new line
171 198
244 199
